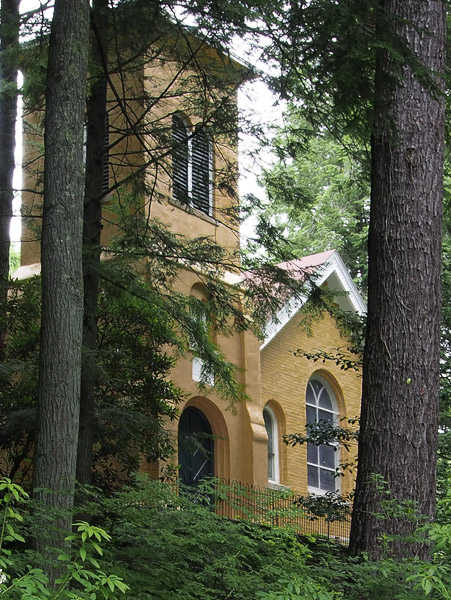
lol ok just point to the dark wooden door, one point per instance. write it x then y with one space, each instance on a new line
196 447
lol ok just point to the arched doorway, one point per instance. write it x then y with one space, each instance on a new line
196 447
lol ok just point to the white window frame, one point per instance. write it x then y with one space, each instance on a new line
275 437
318 491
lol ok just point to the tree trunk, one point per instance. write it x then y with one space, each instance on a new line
92 226
401 362
9 39
62 284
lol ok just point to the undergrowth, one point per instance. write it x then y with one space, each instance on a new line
166 546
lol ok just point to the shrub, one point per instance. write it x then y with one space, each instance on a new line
20 581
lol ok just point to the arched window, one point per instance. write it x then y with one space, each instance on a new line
321 460
191 166
273 444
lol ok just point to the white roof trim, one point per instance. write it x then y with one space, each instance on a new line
332 268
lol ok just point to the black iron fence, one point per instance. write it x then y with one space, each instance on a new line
243 501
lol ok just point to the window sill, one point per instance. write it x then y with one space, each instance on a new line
272 485
319 492
193 211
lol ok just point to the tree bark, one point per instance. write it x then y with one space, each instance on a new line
9 39
400 395
62 284
92 226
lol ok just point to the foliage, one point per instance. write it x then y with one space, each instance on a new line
318 195
389 579
133 394
14 259
174 546
332 506
295 588
433 577
340 356
19 580
19 378
168 546
444 448
326 432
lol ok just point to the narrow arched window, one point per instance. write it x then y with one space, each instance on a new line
180 160
322 460
273 444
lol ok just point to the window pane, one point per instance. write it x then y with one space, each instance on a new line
324 400
312 454
324 415
317 386
271 467
327 480
269 430
311 414
320 407
313 476
327 456
310 395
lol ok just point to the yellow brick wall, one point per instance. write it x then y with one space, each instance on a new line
275 376
284 382
240 444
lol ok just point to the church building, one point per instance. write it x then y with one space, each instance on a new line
195 191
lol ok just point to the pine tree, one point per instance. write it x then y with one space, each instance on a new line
62 299
399 419
373 70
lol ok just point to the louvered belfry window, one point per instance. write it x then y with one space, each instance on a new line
201 167
191 166
180 160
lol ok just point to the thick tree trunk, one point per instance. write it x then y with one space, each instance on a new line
62 284
92 226
401 363
9 39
